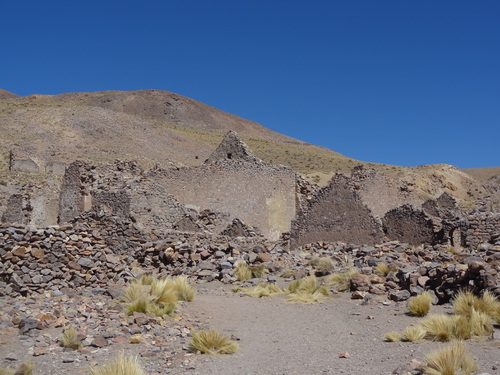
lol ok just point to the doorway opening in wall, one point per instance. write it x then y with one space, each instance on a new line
229 155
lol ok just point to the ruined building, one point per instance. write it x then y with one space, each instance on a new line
235 193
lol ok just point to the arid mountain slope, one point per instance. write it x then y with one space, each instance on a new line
162 128
149 125
7 95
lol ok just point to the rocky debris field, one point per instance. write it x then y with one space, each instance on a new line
72 275
31 330
96 251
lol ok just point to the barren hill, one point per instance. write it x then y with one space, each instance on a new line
162 128
7 95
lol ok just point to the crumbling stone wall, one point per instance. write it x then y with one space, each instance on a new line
483 227
379 193
18 209
336 213
74 197
406 224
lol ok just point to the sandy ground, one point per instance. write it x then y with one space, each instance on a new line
282 338
339 336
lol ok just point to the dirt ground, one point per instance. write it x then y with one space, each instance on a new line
339 336
281 338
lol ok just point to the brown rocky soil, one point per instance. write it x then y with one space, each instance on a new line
339 336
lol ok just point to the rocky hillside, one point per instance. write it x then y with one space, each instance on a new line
162 128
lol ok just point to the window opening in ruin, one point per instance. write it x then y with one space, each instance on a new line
229 155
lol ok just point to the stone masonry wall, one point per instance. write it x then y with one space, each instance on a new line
483 227
336 213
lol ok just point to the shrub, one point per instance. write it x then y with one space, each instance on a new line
70 339
122 365
342 280
450 360
263 290
323 265
242 272
26 368
414 333
440 327
420 305
156 296
393 336
212 342
382 269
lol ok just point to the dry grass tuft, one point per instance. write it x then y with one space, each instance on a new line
342 280
146 279
465 302
420 305
450 360
288 273
258 271
122 365
242 272
183 289
307 290
393 336
150 295
382 269
414 333
481 323
308 298
263 290
70 339
212 342
440 327
323 265
462 329
26 368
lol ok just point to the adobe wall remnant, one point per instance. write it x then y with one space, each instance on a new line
262 195
33 165
28 165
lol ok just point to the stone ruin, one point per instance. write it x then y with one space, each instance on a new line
368 208
200 221
236 193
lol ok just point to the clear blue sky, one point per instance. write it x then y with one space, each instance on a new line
395 82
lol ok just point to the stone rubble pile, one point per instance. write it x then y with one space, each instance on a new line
34 327
98 250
